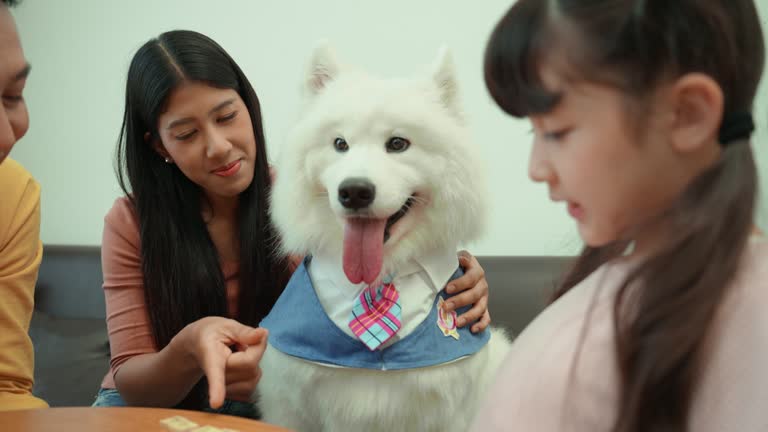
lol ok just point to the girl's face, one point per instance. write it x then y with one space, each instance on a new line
614 169
207 132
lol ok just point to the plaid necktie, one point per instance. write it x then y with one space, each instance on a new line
376 315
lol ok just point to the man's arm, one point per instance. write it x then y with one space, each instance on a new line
20 255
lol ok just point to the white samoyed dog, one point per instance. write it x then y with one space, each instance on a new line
378 184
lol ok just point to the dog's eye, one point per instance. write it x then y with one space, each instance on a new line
340 145
397 145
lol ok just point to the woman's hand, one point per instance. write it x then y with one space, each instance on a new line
475 293
231 374
243 371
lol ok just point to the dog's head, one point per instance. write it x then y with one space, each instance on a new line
378 170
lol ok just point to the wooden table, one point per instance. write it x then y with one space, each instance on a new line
86 419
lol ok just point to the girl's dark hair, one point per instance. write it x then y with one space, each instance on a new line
182 273
663 321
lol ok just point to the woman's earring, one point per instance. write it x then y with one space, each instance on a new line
168 160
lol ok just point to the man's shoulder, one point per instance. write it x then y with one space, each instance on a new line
14 178
17 187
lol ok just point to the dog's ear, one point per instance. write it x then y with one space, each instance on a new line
444 76
323 68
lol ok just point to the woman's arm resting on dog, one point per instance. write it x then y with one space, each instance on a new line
475 293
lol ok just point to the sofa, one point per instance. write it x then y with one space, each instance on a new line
70 337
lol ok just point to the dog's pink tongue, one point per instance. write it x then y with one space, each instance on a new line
363 244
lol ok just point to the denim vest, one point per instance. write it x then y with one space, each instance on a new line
299 327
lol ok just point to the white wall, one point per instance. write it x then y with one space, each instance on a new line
80 51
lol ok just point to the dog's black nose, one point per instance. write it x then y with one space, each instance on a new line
356 193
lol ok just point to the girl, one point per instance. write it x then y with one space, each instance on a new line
641 112
189 259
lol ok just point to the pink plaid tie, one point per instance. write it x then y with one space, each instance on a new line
376 315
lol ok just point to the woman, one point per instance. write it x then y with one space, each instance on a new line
192 230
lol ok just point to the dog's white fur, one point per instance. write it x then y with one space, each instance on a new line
440 167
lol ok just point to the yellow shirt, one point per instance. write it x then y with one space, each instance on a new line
20 255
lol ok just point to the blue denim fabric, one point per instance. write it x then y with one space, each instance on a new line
316 338
109 398
112 398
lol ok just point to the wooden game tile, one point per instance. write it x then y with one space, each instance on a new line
206 428
178 423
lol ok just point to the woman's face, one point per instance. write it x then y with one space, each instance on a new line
207 132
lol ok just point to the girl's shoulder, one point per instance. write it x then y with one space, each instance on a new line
752 278
560 372
583 315
732 392
741 324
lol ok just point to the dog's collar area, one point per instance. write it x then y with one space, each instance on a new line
316 338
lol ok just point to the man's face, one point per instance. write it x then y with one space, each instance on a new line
14 118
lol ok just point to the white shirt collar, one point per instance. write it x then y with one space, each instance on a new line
418 282
439 267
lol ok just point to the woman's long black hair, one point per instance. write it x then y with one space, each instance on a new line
182 273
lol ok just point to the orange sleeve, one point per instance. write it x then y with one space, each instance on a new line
294 261
128 323
20 254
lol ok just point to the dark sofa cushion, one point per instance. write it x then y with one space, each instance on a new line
71 358
69 282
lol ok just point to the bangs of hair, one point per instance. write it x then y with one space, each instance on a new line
512 61
538 33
